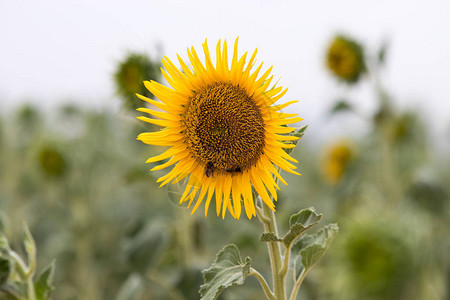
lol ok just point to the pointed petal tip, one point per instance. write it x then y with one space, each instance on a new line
156 168
148 84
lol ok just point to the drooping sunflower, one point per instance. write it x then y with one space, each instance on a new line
345 59
223 132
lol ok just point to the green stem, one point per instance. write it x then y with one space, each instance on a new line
21 268
287 254
267 291
30 288
270 225
260 216
297 284
25 273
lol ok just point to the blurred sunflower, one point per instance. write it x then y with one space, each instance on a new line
336 158
345 59
52 162
223 130
129 75
376 261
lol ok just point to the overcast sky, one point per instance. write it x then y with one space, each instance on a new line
55 50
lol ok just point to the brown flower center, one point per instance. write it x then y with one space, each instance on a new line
224 128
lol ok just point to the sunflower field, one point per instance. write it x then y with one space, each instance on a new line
82 217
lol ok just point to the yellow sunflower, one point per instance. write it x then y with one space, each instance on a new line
223 132
336 160
345 58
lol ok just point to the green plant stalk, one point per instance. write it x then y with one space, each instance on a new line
30 289
287 255
21 268
297 284
270 225
269 294
26 274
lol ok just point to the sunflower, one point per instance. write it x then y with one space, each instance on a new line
336 160
223 132
345 58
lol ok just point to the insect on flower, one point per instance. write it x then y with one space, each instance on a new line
224 133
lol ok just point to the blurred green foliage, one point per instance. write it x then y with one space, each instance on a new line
17 277
129 76
116 235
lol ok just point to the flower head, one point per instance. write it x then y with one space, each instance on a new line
345 59
224 133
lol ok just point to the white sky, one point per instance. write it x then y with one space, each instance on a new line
55 50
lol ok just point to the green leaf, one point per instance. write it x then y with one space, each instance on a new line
226 271
298 133
300 222
43 284
30 248
269 237
16 290
5 260
311 247
5 268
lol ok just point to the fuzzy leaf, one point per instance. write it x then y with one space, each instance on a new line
298 133
269 237
43 285
311 247
300 222
226 271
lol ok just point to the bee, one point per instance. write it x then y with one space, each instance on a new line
234 170
209 168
